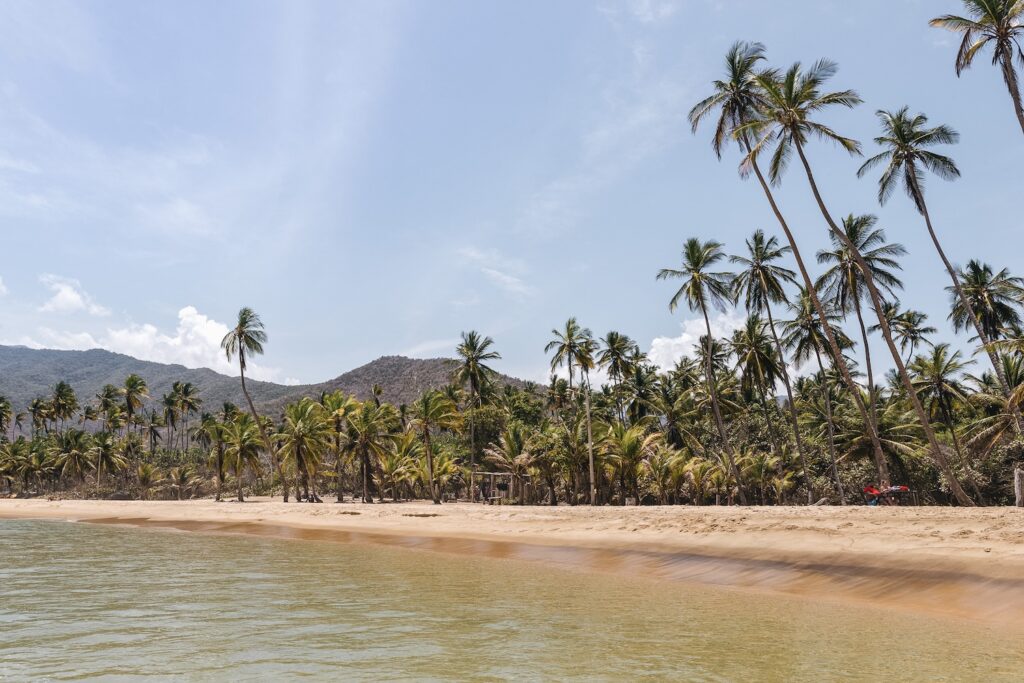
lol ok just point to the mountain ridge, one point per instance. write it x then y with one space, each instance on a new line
27 373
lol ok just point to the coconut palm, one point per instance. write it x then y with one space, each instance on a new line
761 283
5 416
511 454
845 283
135 393
993 298
908 327
247 339
739 100
71 453
703 287
907 141
998 24
148 477
181 480
575 346
792 100
475 352
339 406
614 357
626 448
371 436
105 456
433 411
242 439
304 437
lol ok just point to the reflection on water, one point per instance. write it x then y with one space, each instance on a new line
80 600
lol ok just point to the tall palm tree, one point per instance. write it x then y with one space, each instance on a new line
210 434
906 142
475 352
845 283
739 100
614 356
792 99
339 407
995 23
761 283
909 327
626 448
135 393
758 364
574 346
243 437
433 410
993 298
701 288
247 339
304 437
372 433
189 403
804 336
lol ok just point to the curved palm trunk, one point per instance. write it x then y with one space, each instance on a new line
827 394
713 393
876 300
263 432
590 446
958 289
792 406
839 360
872 407
1010 76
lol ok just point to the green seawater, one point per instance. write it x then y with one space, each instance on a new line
80 601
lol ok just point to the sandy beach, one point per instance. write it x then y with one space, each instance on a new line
963 562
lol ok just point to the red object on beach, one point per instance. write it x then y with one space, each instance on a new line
871 490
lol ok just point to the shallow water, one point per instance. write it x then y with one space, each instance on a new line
79 600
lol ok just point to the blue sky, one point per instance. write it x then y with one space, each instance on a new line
375 177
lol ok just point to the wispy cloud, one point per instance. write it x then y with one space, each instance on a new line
68 296
3 287
431 348
504 273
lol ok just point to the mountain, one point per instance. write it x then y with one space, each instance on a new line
27 373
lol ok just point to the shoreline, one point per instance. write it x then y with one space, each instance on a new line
953 562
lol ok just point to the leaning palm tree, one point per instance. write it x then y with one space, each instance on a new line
907 155
474 352
845 283
701 288
739 100
761 283
247 338
433 410
792 100
995 23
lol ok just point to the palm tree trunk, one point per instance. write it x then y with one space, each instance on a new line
1010 76
238 477
430 464
590 446
713 393
365 457
792 405
472 444
840 361
263 432
975 321
937 455
883 470
827 394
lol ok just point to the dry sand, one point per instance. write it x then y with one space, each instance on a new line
958 561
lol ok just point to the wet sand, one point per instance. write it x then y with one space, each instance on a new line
966 563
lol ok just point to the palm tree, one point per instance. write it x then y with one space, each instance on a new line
304 436
188 403
71 453
243 438
791 100
473 371
761 283
371 428
906 141
614 356
739 100
759 365
210 434
149 477
105 456
995 23
908 327
803 336
5 416
247 338
511 454
626 448
845 283
701 288
993 298
574 346
135 393
339 407
433 410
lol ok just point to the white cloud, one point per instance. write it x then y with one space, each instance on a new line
68 297
652 11
509 277
666 351
3 287
195 343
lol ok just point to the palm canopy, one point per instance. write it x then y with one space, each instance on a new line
995 23
736 98
701 286
994 297
844 282
790 99
760 282
804 335
615 354
246 338
938 379
756 358
906 140
573 346
474 352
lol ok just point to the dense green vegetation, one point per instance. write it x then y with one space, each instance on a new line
715 428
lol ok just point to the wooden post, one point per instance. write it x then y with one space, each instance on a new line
1018 486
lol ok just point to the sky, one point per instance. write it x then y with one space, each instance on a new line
376 177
